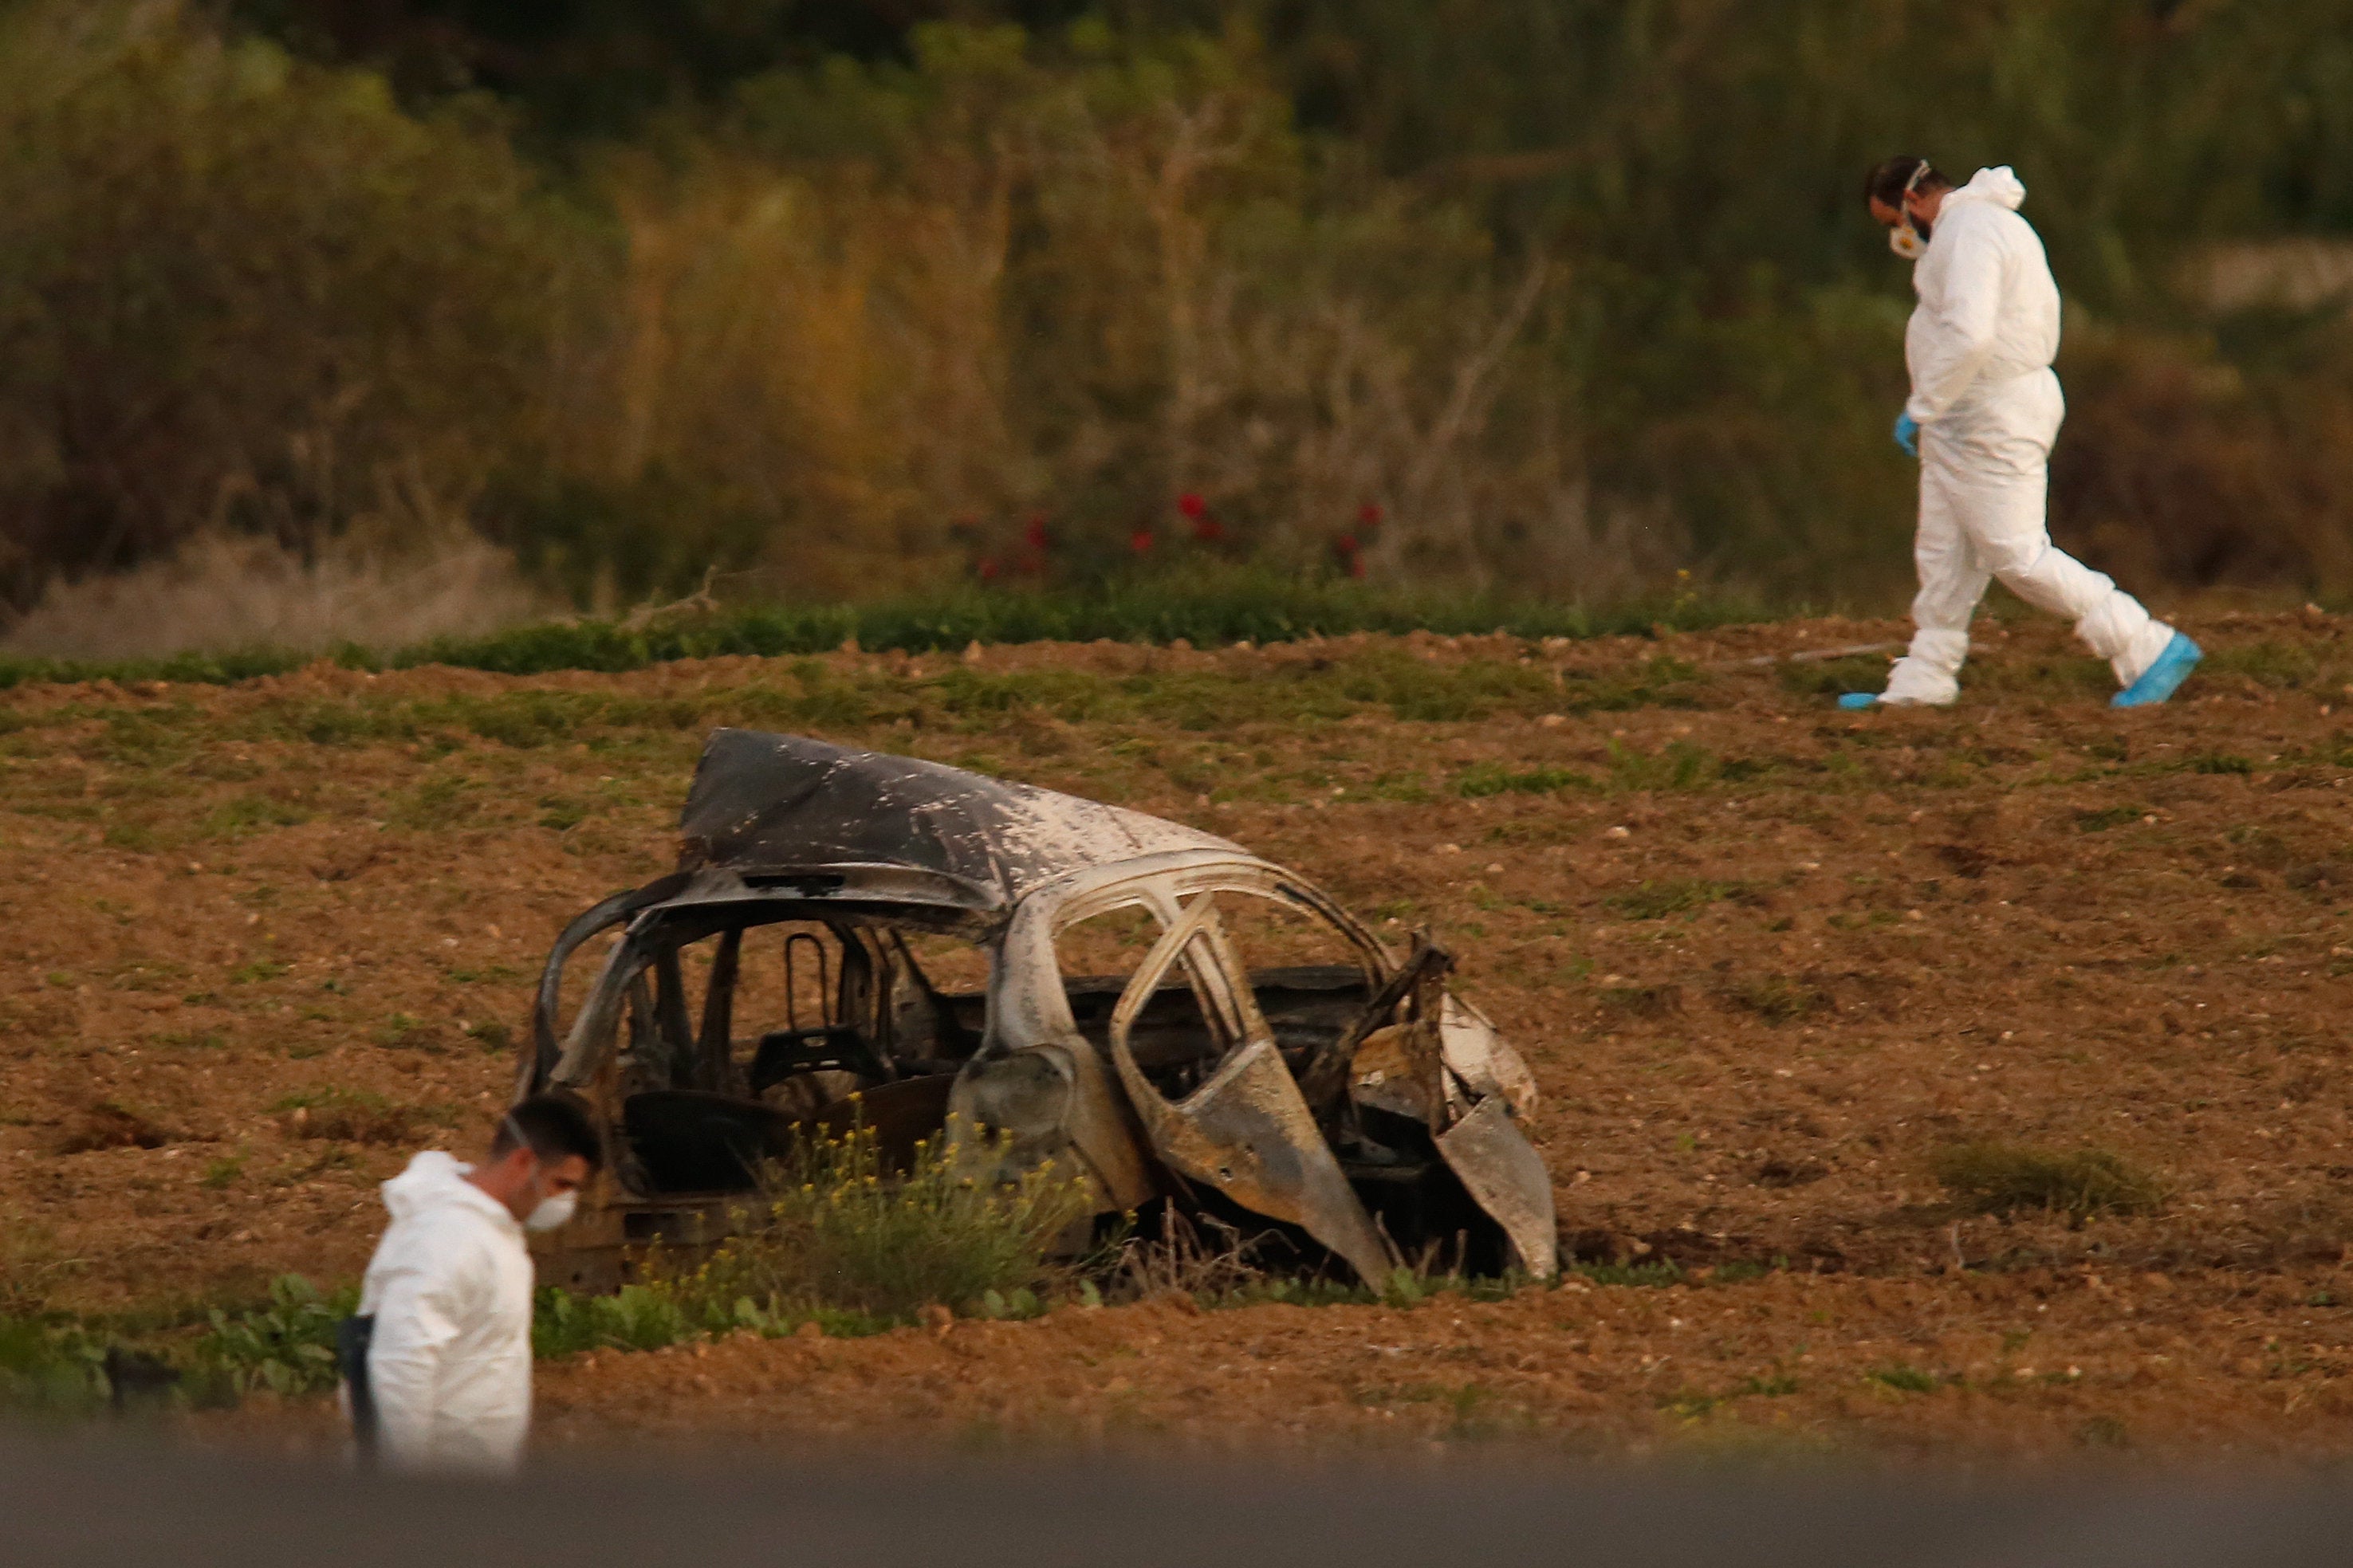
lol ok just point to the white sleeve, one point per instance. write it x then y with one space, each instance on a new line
420 1307
1961 322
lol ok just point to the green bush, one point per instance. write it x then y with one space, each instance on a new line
635 1318
239 289
840 1229
286 1346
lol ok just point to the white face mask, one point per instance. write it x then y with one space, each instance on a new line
1909 237
553 1213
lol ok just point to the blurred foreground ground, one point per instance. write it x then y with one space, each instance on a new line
1766 959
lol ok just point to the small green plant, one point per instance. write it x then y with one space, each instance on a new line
222 1172
2107 816
2005 1178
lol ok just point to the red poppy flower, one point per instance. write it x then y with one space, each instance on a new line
1033 534
988 569
1208 530
1369 515
1140 541
1191 505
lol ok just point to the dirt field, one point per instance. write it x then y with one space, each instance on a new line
1767 959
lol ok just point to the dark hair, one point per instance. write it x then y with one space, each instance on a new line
1887 183
554 1125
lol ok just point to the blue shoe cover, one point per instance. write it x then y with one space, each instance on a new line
1855 702
2163 676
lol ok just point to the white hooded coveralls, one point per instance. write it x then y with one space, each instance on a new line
1980 347
450 1287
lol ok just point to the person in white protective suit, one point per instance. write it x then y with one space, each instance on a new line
437 1363
1983 410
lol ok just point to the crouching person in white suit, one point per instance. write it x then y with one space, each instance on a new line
437 1363
1983 410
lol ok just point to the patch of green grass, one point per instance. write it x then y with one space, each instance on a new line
2106 817
248 815
1497 778
1643 1001
491 1036
2221 763
222 1173
407 1032
1656 901
341 1115
258 971
139 838
1646 1275
1678 765
1994 1177
1776 999
2283 665
442 802
1903 1378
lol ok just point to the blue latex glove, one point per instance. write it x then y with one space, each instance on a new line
1907 435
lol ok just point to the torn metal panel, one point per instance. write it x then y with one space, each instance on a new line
1248 1131
1476 1054
1505 1175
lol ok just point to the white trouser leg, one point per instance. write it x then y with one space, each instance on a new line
1993 464
1952 581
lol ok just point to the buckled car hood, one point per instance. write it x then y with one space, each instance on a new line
769 802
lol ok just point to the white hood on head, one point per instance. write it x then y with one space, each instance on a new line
437 1179
1999 185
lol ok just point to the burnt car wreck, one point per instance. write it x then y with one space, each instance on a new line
849 923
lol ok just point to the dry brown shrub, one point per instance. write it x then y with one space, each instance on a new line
219 594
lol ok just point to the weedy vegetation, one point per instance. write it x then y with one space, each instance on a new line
2008 1178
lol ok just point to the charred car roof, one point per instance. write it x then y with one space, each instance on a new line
776 809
